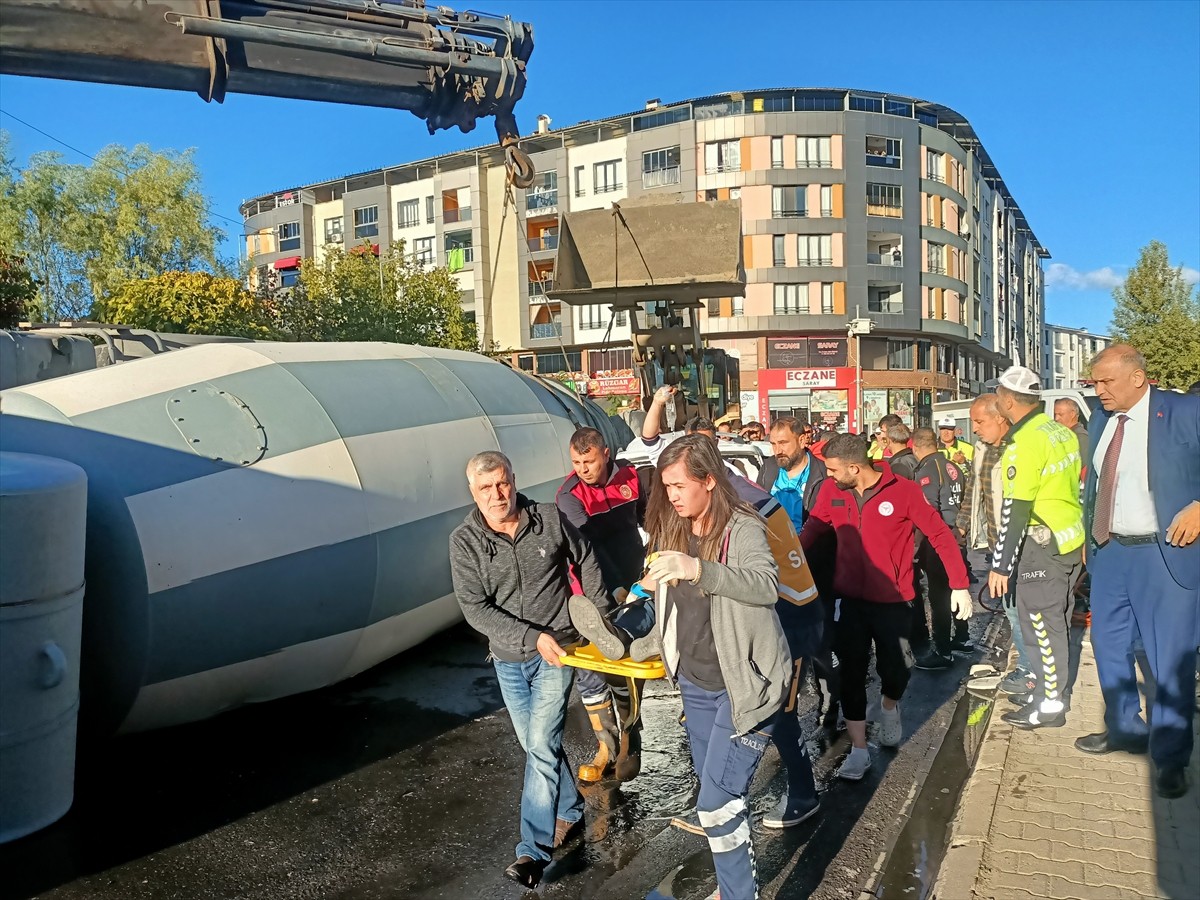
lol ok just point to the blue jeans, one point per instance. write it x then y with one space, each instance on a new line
725 762
536 695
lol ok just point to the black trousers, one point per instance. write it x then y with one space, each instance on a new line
859 623
939 600
826 667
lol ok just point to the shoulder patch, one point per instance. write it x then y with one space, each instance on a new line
1012 472
952 471
925 481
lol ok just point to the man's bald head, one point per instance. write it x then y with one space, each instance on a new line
1126 356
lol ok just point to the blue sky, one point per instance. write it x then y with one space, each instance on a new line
1090 110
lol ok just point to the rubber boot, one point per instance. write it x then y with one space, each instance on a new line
608 736
629 714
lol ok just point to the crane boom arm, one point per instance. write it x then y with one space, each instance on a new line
447 68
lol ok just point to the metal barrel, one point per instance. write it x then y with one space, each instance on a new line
265 519
43 510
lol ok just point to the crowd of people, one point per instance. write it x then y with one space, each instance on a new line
743 588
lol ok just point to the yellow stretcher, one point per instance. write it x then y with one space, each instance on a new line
586 656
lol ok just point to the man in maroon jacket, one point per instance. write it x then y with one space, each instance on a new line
871 513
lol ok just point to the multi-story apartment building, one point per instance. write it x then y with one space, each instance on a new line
855 204
1067 353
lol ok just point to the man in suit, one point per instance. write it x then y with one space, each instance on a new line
1142 509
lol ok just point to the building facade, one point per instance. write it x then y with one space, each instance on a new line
1067 354
855 205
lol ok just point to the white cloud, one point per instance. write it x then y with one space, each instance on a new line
1062 277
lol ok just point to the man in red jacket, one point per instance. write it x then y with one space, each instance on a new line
871 513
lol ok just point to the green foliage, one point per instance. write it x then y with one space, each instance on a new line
1159 313
190 303
17 290
356 296
86 230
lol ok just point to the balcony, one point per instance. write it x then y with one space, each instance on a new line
815 261
543 199
891 212
609 188
545 242
659 177
782 213
539 288
826 212
719 168
893 258
892 304
468 254
547 330
462 214
935 269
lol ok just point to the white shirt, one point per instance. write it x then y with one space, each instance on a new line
1133 504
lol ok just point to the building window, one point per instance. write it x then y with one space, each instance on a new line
593 316
866 104
722 156
777 254
898 108
429 210
885 200
888 299
660 167
827 298
605 177
710 195
883 151
900 355
945 360
826 200
814 250
459 249
333 230
924 353
787 299
544 194
714 307
937 259
550 363
289 278
423 250
789 202
366 222
739 306
776 153
580 190
933 166
813 153
289 236
408 213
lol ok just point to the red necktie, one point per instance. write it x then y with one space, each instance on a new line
1107 485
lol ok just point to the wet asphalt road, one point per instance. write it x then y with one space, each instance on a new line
405 783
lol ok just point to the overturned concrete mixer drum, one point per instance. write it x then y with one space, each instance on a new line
266 519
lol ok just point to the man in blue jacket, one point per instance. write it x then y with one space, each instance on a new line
1142 511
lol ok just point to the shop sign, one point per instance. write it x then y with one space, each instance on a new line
614 385
810 378
787 353
827 351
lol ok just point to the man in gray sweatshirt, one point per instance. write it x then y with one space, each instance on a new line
510 562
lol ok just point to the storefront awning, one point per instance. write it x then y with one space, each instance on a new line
288 262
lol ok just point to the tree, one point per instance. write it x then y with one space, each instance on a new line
190 303
17 290
1159 313
357 296
85 230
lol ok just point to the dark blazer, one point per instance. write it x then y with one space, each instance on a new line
770 471
1174 467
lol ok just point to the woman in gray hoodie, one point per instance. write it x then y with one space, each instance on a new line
721 639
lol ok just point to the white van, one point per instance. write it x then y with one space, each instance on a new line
1085 399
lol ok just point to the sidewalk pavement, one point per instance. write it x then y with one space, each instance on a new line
1040 819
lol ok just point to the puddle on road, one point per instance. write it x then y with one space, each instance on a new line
913 864
694 878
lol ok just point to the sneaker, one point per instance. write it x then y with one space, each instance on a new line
647 647
789 812
933 660
964 646
891 731
593 625
689 821
1030 717
1018 682
855 766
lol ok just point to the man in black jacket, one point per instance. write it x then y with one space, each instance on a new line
509 562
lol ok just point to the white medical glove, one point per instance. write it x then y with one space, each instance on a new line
671 566
960 603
